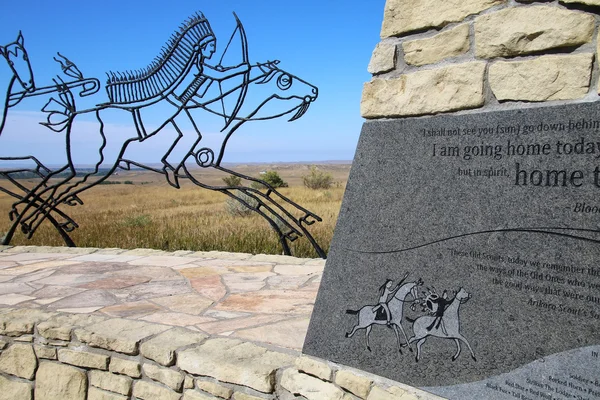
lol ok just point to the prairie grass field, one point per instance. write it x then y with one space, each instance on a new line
140 210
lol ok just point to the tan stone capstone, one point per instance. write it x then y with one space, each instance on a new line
19 360
125 367
149 391
525 30
450 88
312 388
83 359
58 381
553 77
97 394
162 347
18 322
120 335
450 43
12 390
214 389
402 16
313 367
383 58
60 326
169 377
111 382
358 385
234 361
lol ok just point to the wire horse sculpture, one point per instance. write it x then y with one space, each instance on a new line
174 86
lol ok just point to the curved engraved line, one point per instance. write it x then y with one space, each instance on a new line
528 230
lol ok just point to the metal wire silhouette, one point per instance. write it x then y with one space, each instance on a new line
178 80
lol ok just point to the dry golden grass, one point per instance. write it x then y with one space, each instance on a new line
151 214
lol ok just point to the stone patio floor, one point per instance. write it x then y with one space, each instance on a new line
261 298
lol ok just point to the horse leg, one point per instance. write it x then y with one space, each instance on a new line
283 238
109 152
299 222
351 333
398 338
367 333
405 338
457 349
465 341
419 344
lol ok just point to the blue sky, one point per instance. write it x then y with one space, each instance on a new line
327 43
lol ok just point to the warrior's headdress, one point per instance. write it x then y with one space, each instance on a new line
174 61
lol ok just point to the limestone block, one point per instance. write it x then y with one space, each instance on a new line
215 389
403 16
451 88
149 391
450 43
358 385
542 79
378 393
586 2
525 30
18 322
24 338
313 367
83 359
59 327
162 347
58 381
195 395
3 344
111 382
169 377
244 396
188 382
383 59
233 361
121 335
97 394
11 390
125 367
44 352
309 387
19 360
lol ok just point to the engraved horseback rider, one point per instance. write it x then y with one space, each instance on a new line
386 293
436 306
181 73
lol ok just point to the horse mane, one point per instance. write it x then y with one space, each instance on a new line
172 62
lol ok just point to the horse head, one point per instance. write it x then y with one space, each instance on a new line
462 296
296 94
18 61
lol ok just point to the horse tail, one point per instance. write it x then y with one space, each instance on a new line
411 320
351 312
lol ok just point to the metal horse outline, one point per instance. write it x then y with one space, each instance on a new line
175 86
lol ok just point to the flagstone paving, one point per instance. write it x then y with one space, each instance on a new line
261 298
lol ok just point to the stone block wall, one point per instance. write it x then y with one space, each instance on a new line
51 355
440 56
